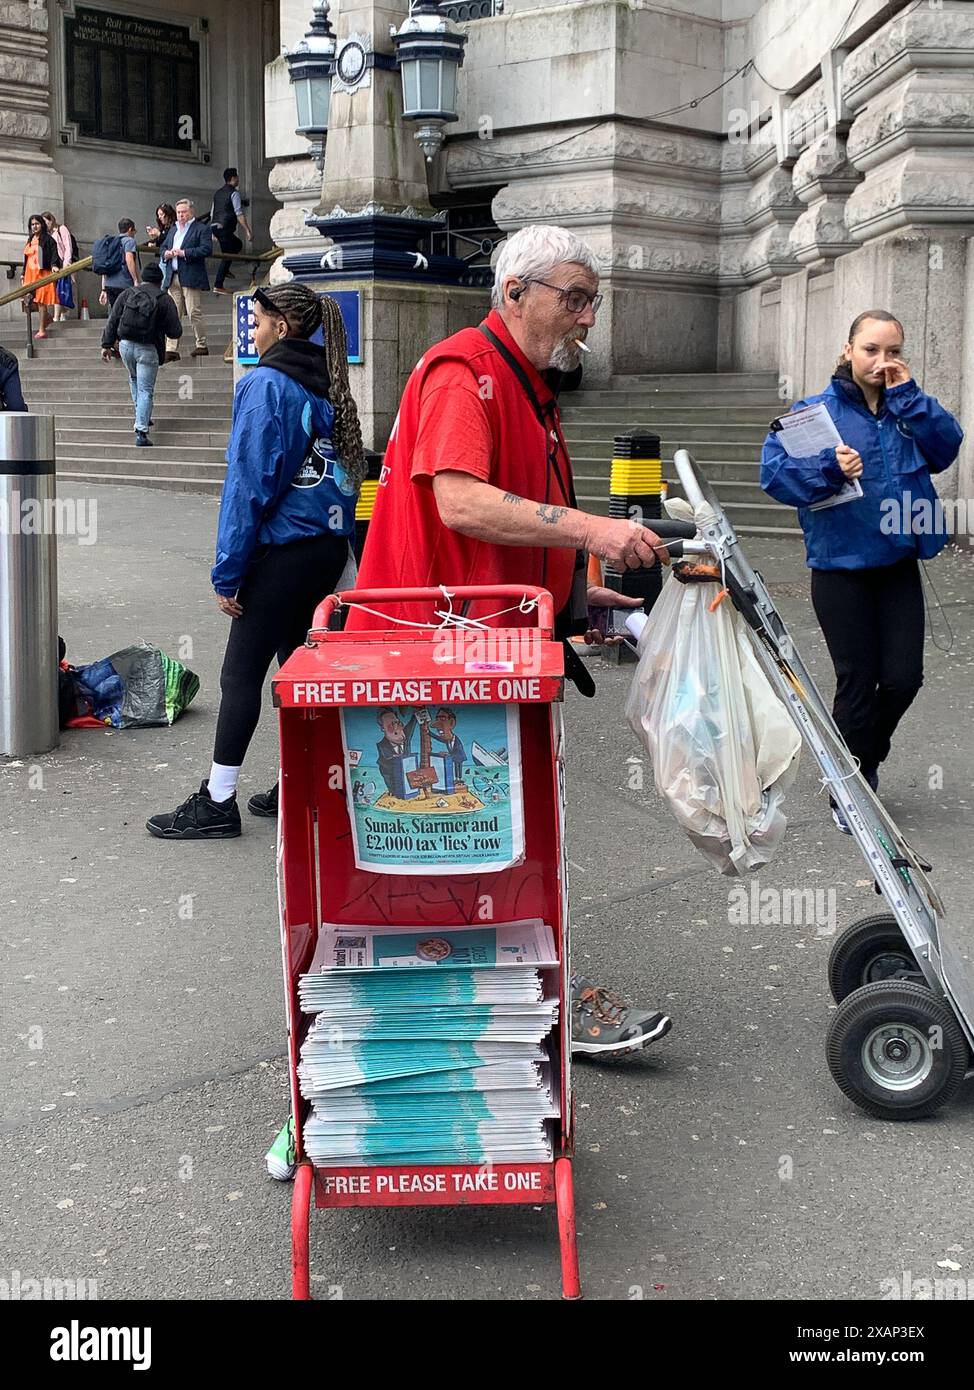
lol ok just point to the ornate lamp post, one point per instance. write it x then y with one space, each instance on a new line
429 50
311 66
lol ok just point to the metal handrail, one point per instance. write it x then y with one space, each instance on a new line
13 295
27 291
264 257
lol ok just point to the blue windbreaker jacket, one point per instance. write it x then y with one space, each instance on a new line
284 480
897 516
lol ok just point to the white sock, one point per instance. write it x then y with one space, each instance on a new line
222 781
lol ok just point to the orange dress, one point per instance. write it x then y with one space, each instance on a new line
47 294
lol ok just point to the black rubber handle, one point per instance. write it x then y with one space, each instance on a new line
667 527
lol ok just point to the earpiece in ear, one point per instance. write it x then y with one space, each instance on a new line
515 294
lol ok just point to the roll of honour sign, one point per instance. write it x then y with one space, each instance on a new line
131 80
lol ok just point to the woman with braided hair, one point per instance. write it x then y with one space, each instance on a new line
294 468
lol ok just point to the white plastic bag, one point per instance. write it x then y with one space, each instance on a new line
723 747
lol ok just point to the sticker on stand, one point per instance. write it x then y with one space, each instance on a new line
434 789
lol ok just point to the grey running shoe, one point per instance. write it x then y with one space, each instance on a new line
838 819
603 1025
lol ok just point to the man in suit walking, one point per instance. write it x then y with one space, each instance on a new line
185 248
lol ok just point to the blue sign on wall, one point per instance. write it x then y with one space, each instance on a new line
350 304
348 301
245 350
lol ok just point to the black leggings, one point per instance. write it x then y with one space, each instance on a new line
279 594
873 624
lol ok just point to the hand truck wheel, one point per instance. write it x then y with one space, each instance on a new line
871 950
896 1050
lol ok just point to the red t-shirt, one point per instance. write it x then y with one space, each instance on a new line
465 410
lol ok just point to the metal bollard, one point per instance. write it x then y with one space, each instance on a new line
634 493
366 500
28 586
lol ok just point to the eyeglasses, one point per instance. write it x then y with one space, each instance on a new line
575 301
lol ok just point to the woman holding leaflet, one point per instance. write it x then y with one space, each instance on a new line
864 552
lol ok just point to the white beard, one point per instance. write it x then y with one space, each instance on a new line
566 356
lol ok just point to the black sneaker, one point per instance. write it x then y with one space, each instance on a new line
142 440
263 803
604 1026
198 818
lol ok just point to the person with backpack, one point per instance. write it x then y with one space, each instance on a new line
41 256
294 468
143 317
226 216
114 258
11 395
68 251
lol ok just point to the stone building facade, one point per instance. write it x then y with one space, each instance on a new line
750 173
48 161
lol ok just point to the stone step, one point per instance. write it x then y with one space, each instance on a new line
753 398
71 334
595 444
75 385
81 336
178 415
89 455
108 440
587 453
216 310
62 357
167 482
744 514
665 418
610 422
716 471
147 463
689 381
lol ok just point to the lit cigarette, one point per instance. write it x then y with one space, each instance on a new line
579 344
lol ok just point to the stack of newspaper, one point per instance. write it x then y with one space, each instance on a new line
429 1047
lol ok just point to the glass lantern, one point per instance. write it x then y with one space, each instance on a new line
311 65
429 50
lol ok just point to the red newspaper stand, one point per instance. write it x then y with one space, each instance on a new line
321 879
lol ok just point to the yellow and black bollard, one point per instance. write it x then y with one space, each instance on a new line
366 501
634 493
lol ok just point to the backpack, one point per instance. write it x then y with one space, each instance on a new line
107 257
75 253
138 318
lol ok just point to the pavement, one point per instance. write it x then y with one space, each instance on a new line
142 1028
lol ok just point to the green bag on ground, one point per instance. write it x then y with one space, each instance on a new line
137 687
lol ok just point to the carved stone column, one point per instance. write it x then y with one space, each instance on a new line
648 204
28 180
823 178
911 87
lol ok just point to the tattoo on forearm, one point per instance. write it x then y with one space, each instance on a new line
513 498
550 514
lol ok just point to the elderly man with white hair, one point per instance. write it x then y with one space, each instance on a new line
476 488
184 250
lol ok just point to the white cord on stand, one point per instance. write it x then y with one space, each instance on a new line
449 618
